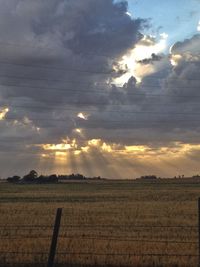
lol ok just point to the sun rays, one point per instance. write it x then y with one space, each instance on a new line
88 157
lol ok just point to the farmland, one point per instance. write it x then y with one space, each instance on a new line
115 223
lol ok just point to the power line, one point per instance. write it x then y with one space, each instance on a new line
46 80
97 122
97 105
90 71
171 78
81 107
111 125
56 68
105 111
85 83
95 91
53 49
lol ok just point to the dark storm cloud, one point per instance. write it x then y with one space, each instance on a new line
151 60
189 46
184 78
61 55
106 33
166 103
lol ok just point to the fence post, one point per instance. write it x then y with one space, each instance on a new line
52 251
199 231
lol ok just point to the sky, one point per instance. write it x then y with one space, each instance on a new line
178 19
100 87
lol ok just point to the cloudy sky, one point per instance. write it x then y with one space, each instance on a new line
100 87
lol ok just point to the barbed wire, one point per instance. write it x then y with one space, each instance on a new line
101 238
129 254
23 253
97 226
101 254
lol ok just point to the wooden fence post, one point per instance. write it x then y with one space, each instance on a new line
52 251
199 232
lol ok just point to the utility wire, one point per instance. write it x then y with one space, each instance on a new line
105 111
6 62
100 91
115 122
66 69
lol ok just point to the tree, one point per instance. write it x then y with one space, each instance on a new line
31 177
47 179
14 179
149 177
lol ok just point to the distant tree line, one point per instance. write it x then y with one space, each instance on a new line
196 176
72 177
32 177
149 177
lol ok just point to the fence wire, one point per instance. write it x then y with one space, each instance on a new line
9 236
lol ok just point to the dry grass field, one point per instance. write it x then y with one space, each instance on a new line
107 223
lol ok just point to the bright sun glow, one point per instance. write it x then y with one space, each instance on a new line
78 131
3 113
175 59
55 147
94 142
136 148
65 146
140 52
72 152
82 116
61 150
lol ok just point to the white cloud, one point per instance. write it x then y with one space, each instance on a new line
164 35
198 27
143 50
129 14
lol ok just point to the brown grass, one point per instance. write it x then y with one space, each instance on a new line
100 223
